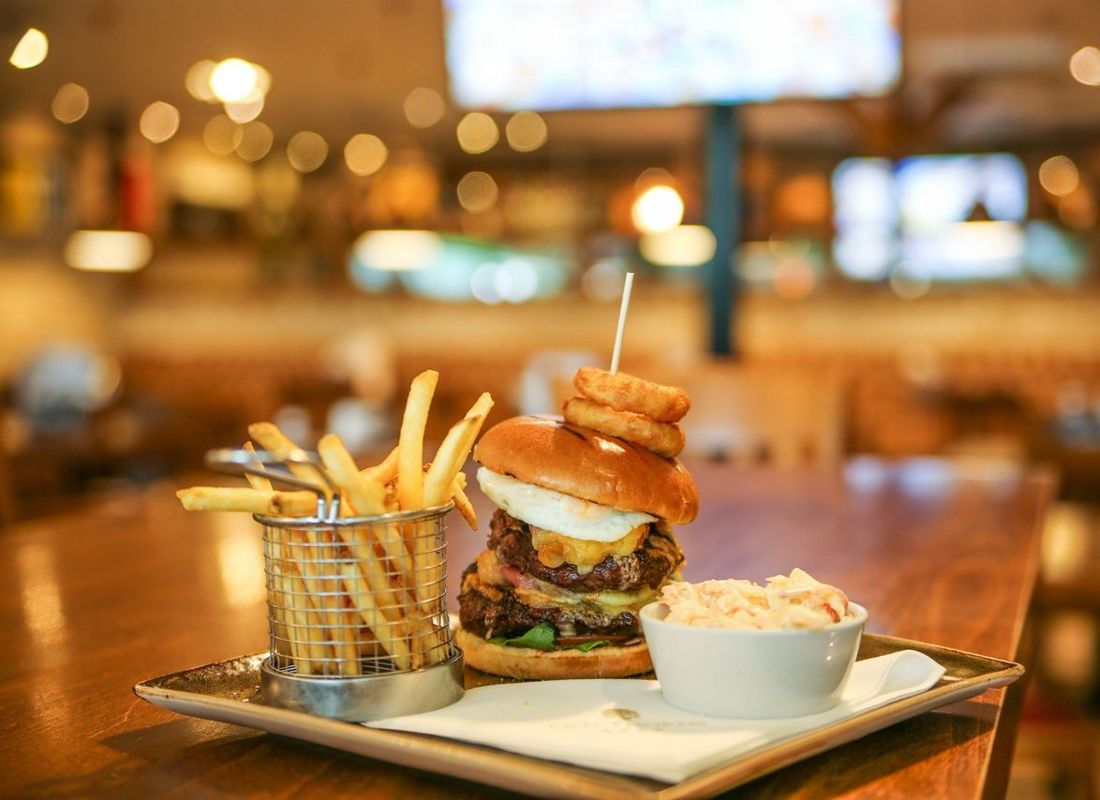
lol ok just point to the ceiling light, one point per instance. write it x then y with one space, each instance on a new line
245 110
1084 66
256 141
398 250
525 131
221 135
70 103
234 80
477 192
108 251
657 209
306 151
477 133
197 80
1059 175
365 154
424 107
682 246
159 122
31 50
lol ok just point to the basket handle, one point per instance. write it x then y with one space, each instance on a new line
236 461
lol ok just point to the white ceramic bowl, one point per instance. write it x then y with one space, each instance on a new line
745 674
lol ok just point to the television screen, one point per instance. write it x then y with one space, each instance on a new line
567 54
939 217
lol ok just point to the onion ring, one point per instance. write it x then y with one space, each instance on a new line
662 438
624 392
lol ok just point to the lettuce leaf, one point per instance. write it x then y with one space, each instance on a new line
584 648
540 637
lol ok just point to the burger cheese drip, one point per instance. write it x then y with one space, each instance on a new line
555 549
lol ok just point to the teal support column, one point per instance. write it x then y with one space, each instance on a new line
723 217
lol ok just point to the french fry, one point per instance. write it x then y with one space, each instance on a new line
410 456
328 575
385 471
464 506
439 485
306 637
253 501
325 618
453 452
279 445
340 595
272 439
366 496
256 481
386 632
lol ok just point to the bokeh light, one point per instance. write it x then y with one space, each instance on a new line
159 122
197 80
477 133
1058 175
603 281
395 251
31 50
653 176
657 209
221 135
365 154
794 278
681 246
424 107
525 131
245 110
70 103
306 151
477 192
907 283
108 251
234 80
1084 66
256 141
514 280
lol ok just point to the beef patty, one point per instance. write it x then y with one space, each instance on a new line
646 567
494 610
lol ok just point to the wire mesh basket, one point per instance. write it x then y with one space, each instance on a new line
357 606
357 596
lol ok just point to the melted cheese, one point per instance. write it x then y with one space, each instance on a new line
555 549
609 602
488 568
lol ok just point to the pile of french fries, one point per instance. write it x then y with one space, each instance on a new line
353 599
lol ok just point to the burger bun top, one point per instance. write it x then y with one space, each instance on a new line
547 452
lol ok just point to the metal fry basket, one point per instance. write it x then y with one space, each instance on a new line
357 606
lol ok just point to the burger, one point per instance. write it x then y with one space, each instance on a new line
580 540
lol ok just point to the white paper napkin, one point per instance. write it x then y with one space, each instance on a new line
625 726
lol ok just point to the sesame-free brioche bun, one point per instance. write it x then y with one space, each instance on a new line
547 452
608 661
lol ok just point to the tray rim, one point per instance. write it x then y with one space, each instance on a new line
540 777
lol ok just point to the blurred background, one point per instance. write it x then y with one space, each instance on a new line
859 227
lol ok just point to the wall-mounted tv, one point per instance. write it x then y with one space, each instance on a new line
957 217
569 54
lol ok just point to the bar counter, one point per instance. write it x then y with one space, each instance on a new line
133 587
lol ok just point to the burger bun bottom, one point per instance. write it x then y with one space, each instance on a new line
608 661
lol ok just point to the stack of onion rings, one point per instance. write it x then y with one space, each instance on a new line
630 408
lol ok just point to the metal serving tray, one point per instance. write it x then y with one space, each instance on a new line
229 691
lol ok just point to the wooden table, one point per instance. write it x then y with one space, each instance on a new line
128 589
